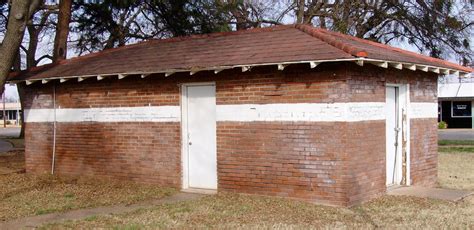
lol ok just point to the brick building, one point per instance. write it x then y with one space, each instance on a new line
291 111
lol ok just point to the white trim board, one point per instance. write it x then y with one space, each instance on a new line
115 114
310 112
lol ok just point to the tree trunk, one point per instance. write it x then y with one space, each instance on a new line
62 30
17 63
20 13
21 93
300 11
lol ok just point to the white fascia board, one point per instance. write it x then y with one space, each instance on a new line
218 70
313 64
434 69
383 64
281 67
29 82
423 68
121 76
360 62
396 65
444 71
410 66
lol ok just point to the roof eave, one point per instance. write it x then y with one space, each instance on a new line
246 67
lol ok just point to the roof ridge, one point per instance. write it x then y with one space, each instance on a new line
315 32
417 55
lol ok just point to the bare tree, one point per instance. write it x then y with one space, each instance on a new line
18 17
438 28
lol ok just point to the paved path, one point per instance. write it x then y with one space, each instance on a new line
10 132
435 193
456 134
36 221
5 146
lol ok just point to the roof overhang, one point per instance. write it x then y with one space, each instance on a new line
361 61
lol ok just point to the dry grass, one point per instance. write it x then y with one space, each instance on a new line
456 170
26 195
243 211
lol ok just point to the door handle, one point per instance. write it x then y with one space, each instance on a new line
190 143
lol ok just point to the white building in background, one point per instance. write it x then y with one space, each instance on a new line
12 113
456 103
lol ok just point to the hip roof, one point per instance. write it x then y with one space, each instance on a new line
278 45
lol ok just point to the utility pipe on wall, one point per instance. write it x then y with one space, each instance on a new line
54 129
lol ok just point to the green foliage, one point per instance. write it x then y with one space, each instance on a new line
115 23
442 125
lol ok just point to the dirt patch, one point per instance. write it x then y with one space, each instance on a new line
12 162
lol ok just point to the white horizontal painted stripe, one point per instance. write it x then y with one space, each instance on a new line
315 112
322 112
116 114
423 110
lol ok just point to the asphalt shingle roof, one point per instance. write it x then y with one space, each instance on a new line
279 44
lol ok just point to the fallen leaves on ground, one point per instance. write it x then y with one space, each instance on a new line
27 195
230 211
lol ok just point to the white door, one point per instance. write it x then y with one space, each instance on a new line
200 131
393 136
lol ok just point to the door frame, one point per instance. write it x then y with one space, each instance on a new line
184 125
405 107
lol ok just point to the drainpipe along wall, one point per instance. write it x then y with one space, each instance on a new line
54 129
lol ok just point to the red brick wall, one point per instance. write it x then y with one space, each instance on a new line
327 162
38 147
368 84
424 151
365 161
292 159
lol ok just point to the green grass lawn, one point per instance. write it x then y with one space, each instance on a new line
456 142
